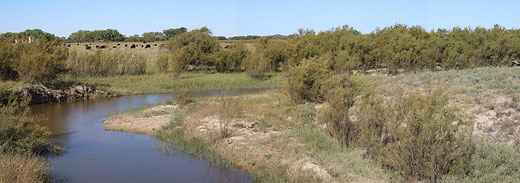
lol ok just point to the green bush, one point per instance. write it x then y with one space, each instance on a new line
416 134
256 65
18 132
230 60
305 82
340 96
7 58
195 48
39 62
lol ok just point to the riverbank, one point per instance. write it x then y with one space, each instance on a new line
262 134
164 83
69 88
275 140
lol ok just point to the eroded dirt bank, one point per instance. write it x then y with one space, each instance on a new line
40 94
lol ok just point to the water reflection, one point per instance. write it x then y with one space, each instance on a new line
95 155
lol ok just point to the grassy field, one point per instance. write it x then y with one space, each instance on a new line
163 83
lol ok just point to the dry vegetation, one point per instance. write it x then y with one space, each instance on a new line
415 127
269 137
22 169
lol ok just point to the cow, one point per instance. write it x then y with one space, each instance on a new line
118 44
114 46
155 44
68 45
147 46
132 47
103 46
144 42
87 47
126 45
142 46
77 44
97 46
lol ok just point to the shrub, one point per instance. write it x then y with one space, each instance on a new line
194 48
7 58
40 62
256 65
305 81
163 61
415 133
230 60
181 95
229 108
18 132
340 97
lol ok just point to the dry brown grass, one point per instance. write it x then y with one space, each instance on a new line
275 140
22 169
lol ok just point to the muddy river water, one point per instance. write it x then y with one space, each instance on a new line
92 154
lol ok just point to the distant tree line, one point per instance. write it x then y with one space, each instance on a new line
35 33
114 35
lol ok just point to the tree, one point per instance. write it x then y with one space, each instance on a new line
169 33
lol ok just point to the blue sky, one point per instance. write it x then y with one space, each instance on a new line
241 17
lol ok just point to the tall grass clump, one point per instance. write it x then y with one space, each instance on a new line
102 63
163 61
180 93
415 133
230 107
23 169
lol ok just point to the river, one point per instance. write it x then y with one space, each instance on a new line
92 154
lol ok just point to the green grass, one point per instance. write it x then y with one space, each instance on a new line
164 83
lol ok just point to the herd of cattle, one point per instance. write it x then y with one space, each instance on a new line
132 46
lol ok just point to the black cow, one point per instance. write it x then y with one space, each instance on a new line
77 44
126 45
87 47
147 46
97 46
118 44
154 44
68 45
103 46
114 46
132 47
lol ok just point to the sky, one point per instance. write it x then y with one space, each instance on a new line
241 17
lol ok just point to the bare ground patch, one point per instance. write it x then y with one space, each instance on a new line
142 122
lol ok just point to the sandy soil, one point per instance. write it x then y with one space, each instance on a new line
145 122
